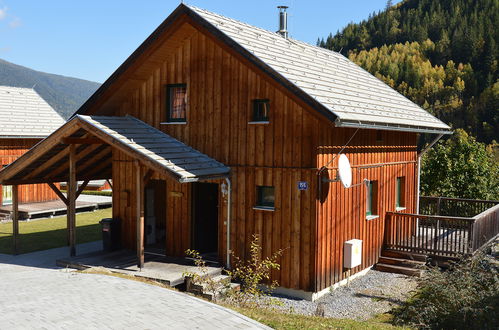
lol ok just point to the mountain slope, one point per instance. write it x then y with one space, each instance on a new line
442 54
64 94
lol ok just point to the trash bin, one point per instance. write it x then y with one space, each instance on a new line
111 239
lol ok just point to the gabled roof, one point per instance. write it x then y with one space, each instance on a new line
25 114
48 161
325 80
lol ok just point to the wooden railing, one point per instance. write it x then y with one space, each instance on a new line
454 207
426 234
485 227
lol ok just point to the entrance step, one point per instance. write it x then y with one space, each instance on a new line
398 269
404 255
401 262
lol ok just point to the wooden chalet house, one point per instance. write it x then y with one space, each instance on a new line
25 119
214 130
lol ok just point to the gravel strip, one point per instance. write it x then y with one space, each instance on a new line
363 298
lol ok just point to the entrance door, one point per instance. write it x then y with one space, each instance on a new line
6 195
155 215
205 219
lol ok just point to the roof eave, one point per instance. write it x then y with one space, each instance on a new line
393 127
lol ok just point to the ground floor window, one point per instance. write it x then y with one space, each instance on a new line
265 196
372 199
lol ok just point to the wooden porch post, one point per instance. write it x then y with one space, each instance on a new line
15 218
139 215
71 211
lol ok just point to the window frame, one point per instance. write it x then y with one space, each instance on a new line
372 199
169 88
256 118
260 204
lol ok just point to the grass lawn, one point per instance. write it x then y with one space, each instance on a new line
46 234
280 320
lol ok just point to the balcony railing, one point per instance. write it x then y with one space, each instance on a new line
443 235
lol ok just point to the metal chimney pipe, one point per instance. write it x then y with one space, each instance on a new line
283 21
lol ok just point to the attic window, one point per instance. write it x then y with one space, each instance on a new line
261 110
176 102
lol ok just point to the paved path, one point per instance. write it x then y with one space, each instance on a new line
36 295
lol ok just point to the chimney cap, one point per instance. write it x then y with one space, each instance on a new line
283 7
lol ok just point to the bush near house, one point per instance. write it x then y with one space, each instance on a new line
465 297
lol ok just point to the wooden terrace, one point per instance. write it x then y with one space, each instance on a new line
459 227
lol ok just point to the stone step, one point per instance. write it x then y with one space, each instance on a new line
221 283
404 255
398 269
401 262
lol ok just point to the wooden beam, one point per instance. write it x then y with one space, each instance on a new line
71 213
90 140
62 168
98 163
82 187
139 215
53 160
58 192
110 184
15 218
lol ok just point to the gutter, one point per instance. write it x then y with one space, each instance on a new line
229 197
420 154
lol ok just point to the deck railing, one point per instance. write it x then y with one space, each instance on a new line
461 227
455 207
426 234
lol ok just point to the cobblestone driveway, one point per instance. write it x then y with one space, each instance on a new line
33 296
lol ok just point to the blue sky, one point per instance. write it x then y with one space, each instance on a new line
89 39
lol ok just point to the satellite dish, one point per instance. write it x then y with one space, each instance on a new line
345 171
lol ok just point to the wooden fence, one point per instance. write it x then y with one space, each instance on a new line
454 207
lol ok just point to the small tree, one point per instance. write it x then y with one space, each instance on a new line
460 167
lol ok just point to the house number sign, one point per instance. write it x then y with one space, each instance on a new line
302 185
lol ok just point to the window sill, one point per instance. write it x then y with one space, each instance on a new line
371 217
264 208
258 122
398 209
174 123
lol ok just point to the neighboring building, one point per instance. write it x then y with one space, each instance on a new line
206 98
25 119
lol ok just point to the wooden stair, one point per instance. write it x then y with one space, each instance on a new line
401 262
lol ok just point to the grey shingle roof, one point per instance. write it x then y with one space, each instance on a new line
352 94
23 113
185 163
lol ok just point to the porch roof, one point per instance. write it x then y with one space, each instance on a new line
95 137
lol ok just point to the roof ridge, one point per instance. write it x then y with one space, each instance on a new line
275 34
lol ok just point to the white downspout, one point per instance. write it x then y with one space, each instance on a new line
229 197
420 154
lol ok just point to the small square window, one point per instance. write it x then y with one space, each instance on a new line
265 196
261 110
176 102
400 192
372 198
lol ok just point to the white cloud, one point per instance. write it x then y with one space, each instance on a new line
3 13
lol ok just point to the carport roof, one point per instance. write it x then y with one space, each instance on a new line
94 137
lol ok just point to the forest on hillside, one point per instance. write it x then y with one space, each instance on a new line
442 54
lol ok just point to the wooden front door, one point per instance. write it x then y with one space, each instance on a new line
205 218
155 214
6 195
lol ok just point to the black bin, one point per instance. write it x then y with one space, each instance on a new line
111 237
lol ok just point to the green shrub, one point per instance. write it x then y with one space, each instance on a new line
464 297
93 192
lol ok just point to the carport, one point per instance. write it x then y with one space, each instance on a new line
82 150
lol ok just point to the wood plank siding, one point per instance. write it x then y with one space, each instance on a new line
10 150
295 143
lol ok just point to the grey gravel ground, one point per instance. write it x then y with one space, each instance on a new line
363 298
